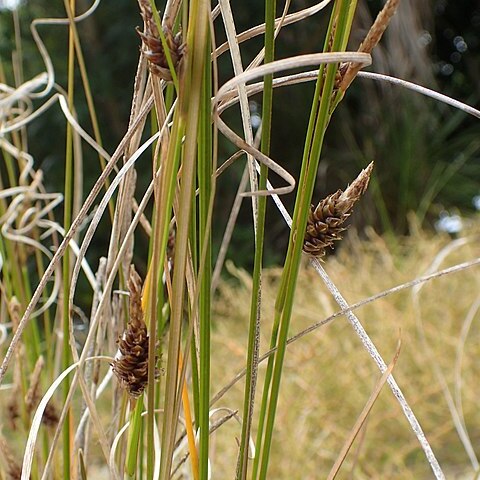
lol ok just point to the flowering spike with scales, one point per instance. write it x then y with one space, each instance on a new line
131 364
325 221
153 48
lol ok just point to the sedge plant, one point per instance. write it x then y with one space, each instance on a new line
148 348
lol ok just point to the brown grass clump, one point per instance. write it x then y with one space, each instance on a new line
329 376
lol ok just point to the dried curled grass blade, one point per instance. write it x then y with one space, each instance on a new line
236 57
37 418
27 91
288 20
13 126
270 68
26 169
229 87
69 235
313 74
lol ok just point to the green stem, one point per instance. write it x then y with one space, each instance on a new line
284 304
133 438
67 219
163 209
205 256
255 306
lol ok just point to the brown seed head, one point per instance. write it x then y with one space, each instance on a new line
50 416
131 366
374 35
12 465
32 396
325 221
152 46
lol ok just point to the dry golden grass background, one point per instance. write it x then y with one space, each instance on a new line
329 376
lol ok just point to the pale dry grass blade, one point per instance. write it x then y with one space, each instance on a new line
363 416
232 219
29 451
142 91
26 169
428 92
92 369
234 49
228 89
284 20
102 207
227 235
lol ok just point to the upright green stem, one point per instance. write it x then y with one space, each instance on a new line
134 438
255 306
205 254
190 92
318 124
67 219
163 209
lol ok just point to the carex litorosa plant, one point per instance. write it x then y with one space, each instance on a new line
160 425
